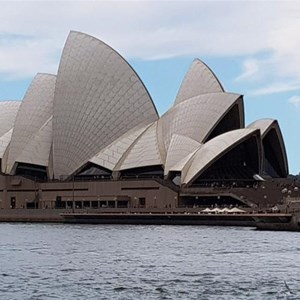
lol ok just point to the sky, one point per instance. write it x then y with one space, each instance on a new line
252 47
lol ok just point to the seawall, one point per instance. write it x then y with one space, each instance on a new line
271 221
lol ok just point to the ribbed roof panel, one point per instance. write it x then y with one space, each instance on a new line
110 155
144 152
36 108
180 147
196 117
265 125
212 150
4 142
98 98
37 151
8 113
199 80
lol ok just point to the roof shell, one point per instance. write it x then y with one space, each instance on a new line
178 167
35 109
4 142
180 147
199 79
37 150
98 98
265 125
8 113
144 152
110 156
214 149
198 116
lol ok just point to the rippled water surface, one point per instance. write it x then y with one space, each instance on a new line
41 261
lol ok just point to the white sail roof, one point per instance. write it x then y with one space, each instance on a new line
212 150
110 156
98 98
198 116
180 147
265 126
144 152
35 109
8 113
4 142
37 150
199 79
180 165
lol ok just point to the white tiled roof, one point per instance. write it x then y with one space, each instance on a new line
265 125
180 147
36 108
110 156
144 152
199 79
212 150
196 117
37 150
98 98
8 113
4 142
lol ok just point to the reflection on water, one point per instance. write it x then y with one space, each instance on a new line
41 261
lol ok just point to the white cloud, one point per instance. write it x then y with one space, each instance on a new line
277 87
25 57
251 69
282 62
32 34
295 100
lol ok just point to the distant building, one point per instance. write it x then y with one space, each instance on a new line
95 124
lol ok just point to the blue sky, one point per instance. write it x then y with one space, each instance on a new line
253 48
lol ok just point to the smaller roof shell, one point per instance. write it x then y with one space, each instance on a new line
178 167
143 153
4 142
37 150
8 113
265 126
35 109
213 150
199 79
197 117
111 155
180 147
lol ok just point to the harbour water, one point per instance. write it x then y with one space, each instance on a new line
57 261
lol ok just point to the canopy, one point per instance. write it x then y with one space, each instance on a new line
216 209
236 210
225 210
206 210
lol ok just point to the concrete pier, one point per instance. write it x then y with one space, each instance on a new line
175 218
277 225
262 221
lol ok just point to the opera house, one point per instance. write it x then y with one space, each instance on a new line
90 137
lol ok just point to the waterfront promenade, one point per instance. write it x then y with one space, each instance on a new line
180 216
